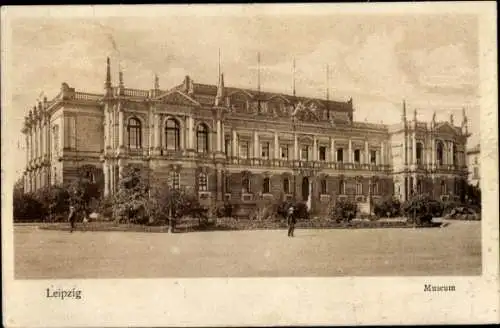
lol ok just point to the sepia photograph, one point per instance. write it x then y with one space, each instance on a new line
275 145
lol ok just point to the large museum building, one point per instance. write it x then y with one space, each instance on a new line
240 145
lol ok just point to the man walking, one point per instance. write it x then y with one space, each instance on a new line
72 217
291 221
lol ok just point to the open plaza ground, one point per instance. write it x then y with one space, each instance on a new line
50 254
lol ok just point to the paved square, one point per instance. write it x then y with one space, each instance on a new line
453 250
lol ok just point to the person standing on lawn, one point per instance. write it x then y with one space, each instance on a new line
291 221
72 218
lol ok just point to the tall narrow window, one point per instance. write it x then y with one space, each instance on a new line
324 190
373 157
419 186
439 153
374 187
419 151
266 186
286 185
357 156
443 187
265 150
202 138
284 152
175 180
359 188
227 184
134 133
340 155
172 134
244 149
69 132
55 139
202 182
245 185
227 146
454 154
304 154
341 187
322 153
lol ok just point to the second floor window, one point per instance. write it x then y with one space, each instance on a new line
304 154
244 149
284 152
419 153
202 138
340 155
265 150
357 156
373 157
172 134
134 130
227 146
322 153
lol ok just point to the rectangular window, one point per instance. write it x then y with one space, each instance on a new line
373 157
175 182
265 150
304 154
70 132
284 152
359 188
340 155
227 147
323 187
202 182
227 184
475 174
286 186
375 188
357 156
244 149
322 153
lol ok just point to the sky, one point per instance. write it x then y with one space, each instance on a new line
431 61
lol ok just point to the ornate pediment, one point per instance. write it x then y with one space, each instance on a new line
446 128
177 98
306 113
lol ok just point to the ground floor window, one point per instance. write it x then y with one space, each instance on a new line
245 184
266 186
227 183
202 182
286 185
175 180
359 188
341 187
324 190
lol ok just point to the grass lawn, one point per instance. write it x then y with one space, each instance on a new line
51 254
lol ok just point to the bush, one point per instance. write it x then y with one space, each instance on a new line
225 210
390 208
421 209
344 210
300 210
27 208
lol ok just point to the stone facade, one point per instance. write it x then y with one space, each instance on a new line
473 159
240 145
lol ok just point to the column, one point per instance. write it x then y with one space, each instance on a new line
219 135
276 146
414 148
382 153
433 152
255 145
332 150
156 132
120 129
219 185
105 168
234 143
315 149
349 152
27 149
106 128
295 148
42 139
48 141
367 157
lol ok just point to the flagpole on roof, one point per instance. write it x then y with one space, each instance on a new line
293 77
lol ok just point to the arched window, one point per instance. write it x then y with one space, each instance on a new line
439 153
134 131
245 185
202 182
266 186
172 134
202 138
286 185
419 153
324 190
341 187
